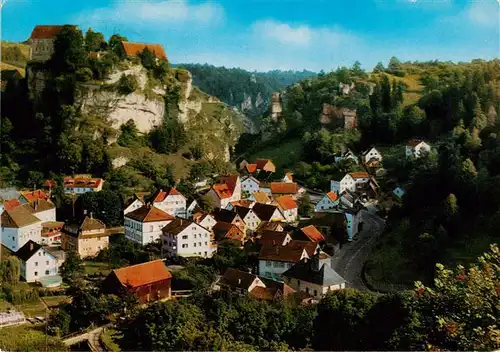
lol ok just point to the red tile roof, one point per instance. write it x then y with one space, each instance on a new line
251 168
264 293
222 190
132 49
161 195
82 182
226 230
286 202
31 196
284 188
332 196
45 32
230 181
49 183
292 252
148 213
312 233
356 175
143 274
11 204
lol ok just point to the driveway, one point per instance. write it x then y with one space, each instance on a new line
349 261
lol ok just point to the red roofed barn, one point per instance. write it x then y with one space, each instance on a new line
132 49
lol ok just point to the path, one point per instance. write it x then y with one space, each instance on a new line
349 261
91 336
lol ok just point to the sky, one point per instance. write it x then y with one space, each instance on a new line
280 34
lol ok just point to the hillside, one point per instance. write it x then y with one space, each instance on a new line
250 92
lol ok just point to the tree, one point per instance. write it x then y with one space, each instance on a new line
148 59
169 137
127 84
379 68
206 203
305 206
115 44
94 41
129 136
72 269
10 270
105 205
69 51
59 322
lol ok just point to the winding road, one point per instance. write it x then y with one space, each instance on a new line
350 259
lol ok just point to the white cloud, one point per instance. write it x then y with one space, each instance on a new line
283 32
484 13
149 12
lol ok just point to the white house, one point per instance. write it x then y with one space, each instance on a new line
42 42
348 155
81 185
314 276
144 225
205 220
36 262
170 201
19 226
275 259
329 201
288 207
249 185
288 177
416 148
134 204
268 212
353 180
43 209
186 238
371 154
227 190
249 217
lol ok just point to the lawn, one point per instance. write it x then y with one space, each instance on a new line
33 309
28 338
284 156
55 301
414 90
92 268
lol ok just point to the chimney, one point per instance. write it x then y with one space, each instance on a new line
91 215
239 281
36 205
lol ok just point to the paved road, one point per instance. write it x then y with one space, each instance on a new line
349 261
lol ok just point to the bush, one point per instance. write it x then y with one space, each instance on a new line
127 84
84 74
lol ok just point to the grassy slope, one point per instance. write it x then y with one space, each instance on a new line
414 90
283 156
7 65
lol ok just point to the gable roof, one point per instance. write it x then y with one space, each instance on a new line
305 270
414 142
45 32
284 188
332 196
261 197
230 181
224 215
242 211
40 205
249 177
262 163
11 204
132 49
18 217
49 183
160 195
91 224
148 213
178 225
312 233
222 190
251 168
272 237
292 252
356 175
286 202
270 225
264 211
142 274
369 150
237 278
244 203
34 195
132 200
28 250
226 230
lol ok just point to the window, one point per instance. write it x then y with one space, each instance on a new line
206 235
206 243
46 272
185 245
315 292
36 263
151 228
307 289
47 262
39 254
194 236
205 254
36 273
194 244
185 237
269 263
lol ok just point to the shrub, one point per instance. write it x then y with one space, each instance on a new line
84 74
127 84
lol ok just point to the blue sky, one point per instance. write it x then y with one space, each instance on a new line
280 34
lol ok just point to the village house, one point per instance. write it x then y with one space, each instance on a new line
52 232
269 237
230 217
329 201
288 177
271 225
261 197
170 201
36 262
348 199
274 260
288 207
133 204
265 165
348 155
205 220
416 148
314 276
284 189
130 49
41 42
227 190
82 184
227 231
249 185
19 225
250 219
372 157
186 238
144 225
353 181
31 196
86 239
267 212
43 209
150 281
311 233
243 283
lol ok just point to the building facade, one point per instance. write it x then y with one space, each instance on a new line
186 238
144 225
36 262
